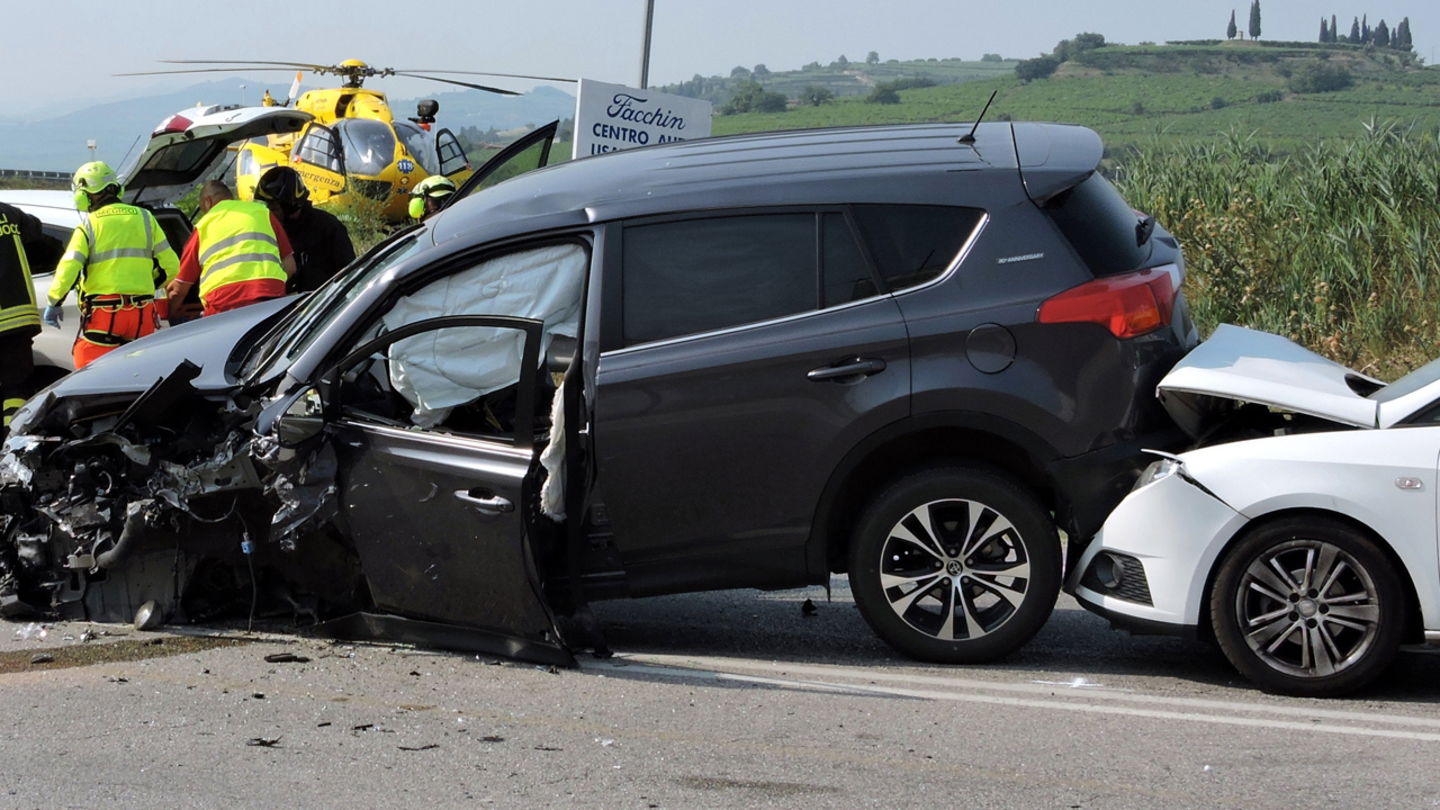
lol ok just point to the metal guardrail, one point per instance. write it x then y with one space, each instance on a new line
32 174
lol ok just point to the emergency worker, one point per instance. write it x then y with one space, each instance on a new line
321 241
118 257
20 234
238 254
429 195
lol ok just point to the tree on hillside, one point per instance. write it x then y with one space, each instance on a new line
842 61
1334 32
1355 32
1366 35
1324 30
739 72
760 71
992 57
1231 30
872 58
1254 19
1382 35
1038 68
751 97
815 95
1402 35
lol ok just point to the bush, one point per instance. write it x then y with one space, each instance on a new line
1318 77
815 96
883 94
751 97
991 57
1269 97
1038 68
1218 103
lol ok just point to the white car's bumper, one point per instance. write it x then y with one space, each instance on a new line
1146 569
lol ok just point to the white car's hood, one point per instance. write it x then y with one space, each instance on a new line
1250 366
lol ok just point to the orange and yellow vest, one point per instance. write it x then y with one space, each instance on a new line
118 250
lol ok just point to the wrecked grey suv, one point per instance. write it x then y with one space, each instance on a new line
899 352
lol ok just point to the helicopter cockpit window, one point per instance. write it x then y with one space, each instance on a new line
369 145
418 144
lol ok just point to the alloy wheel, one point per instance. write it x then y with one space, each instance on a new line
954 569
1307 608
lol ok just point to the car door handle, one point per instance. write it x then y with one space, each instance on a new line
848 371
485 501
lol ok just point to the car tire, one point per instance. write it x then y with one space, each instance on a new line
941 593
1307 606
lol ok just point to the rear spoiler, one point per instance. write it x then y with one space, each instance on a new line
1054 157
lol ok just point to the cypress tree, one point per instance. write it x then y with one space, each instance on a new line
1231 30
1334 31
1355 32
1254 19
1366 35
1324 31
1402 35
1382 35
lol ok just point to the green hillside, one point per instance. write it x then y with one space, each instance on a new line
1180 93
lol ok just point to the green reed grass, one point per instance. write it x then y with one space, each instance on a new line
1336 245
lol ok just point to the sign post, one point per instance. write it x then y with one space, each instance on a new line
610 117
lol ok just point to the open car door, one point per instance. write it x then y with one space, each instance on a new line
528 153
320 160
442 521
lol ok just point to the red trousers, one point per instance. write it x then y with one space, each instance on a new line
111 321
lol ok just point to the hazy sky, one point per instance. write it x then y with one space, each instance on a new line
61 52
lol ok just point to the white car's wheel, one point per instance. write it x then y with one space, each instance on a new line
1307 606
955 565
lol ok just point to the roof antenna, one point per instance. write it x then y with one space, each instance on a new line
969 137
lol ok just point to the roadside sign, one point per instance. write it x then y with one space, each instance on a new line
610 117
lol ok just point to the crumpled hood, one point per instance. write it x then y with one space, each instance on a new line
1252 366
131 369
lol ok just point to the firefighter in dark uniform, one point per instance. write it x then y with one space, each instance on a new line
320 240
20 235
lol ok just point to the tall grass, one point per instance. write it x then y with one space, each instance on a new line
1336 246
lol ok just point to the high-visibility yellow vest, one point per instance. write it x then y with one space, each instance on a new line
116 250
237 243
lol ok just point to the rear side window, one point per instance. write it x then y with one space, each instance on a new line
913 244
1100 225
699 275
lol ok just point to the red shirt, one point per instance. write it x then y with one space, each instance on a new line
235 295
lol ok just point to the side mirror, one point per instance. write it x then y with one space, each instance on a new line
294 418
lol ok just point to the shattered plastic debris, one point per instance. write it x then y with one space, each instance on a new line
32 631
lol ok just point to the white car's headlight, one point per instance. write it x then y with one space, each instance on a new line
1159 469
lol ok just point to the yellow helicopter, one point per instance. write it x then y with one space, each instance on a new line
355 145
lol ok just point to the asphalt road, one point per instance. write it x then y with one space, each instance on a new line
713 700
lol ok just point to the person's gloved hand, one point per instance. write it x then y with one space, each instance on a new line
52 316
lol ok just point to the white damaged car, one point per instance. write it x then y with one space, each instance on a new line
1302 534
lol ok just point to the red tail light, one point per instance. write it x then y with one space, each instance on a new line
1128 305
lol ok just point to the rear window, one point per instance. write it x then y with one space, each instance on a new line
913 244
1100 225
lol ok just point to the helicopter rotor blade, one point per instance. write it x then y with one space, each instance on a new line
301 65
496 75
195 70
472 86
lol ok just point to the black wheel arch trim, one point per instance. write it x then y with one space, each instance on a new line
825 548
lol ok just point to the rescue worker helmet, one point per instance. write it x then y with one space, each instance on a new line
93 178
435 187
282 186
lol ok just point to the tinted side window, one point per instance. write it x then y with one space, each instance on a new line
913 244
698 275
844 272
1100 225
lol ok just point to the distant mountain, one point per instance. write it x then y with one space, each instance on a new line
59 143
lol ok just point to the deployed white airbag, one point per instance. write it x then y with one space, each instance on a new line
441 369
